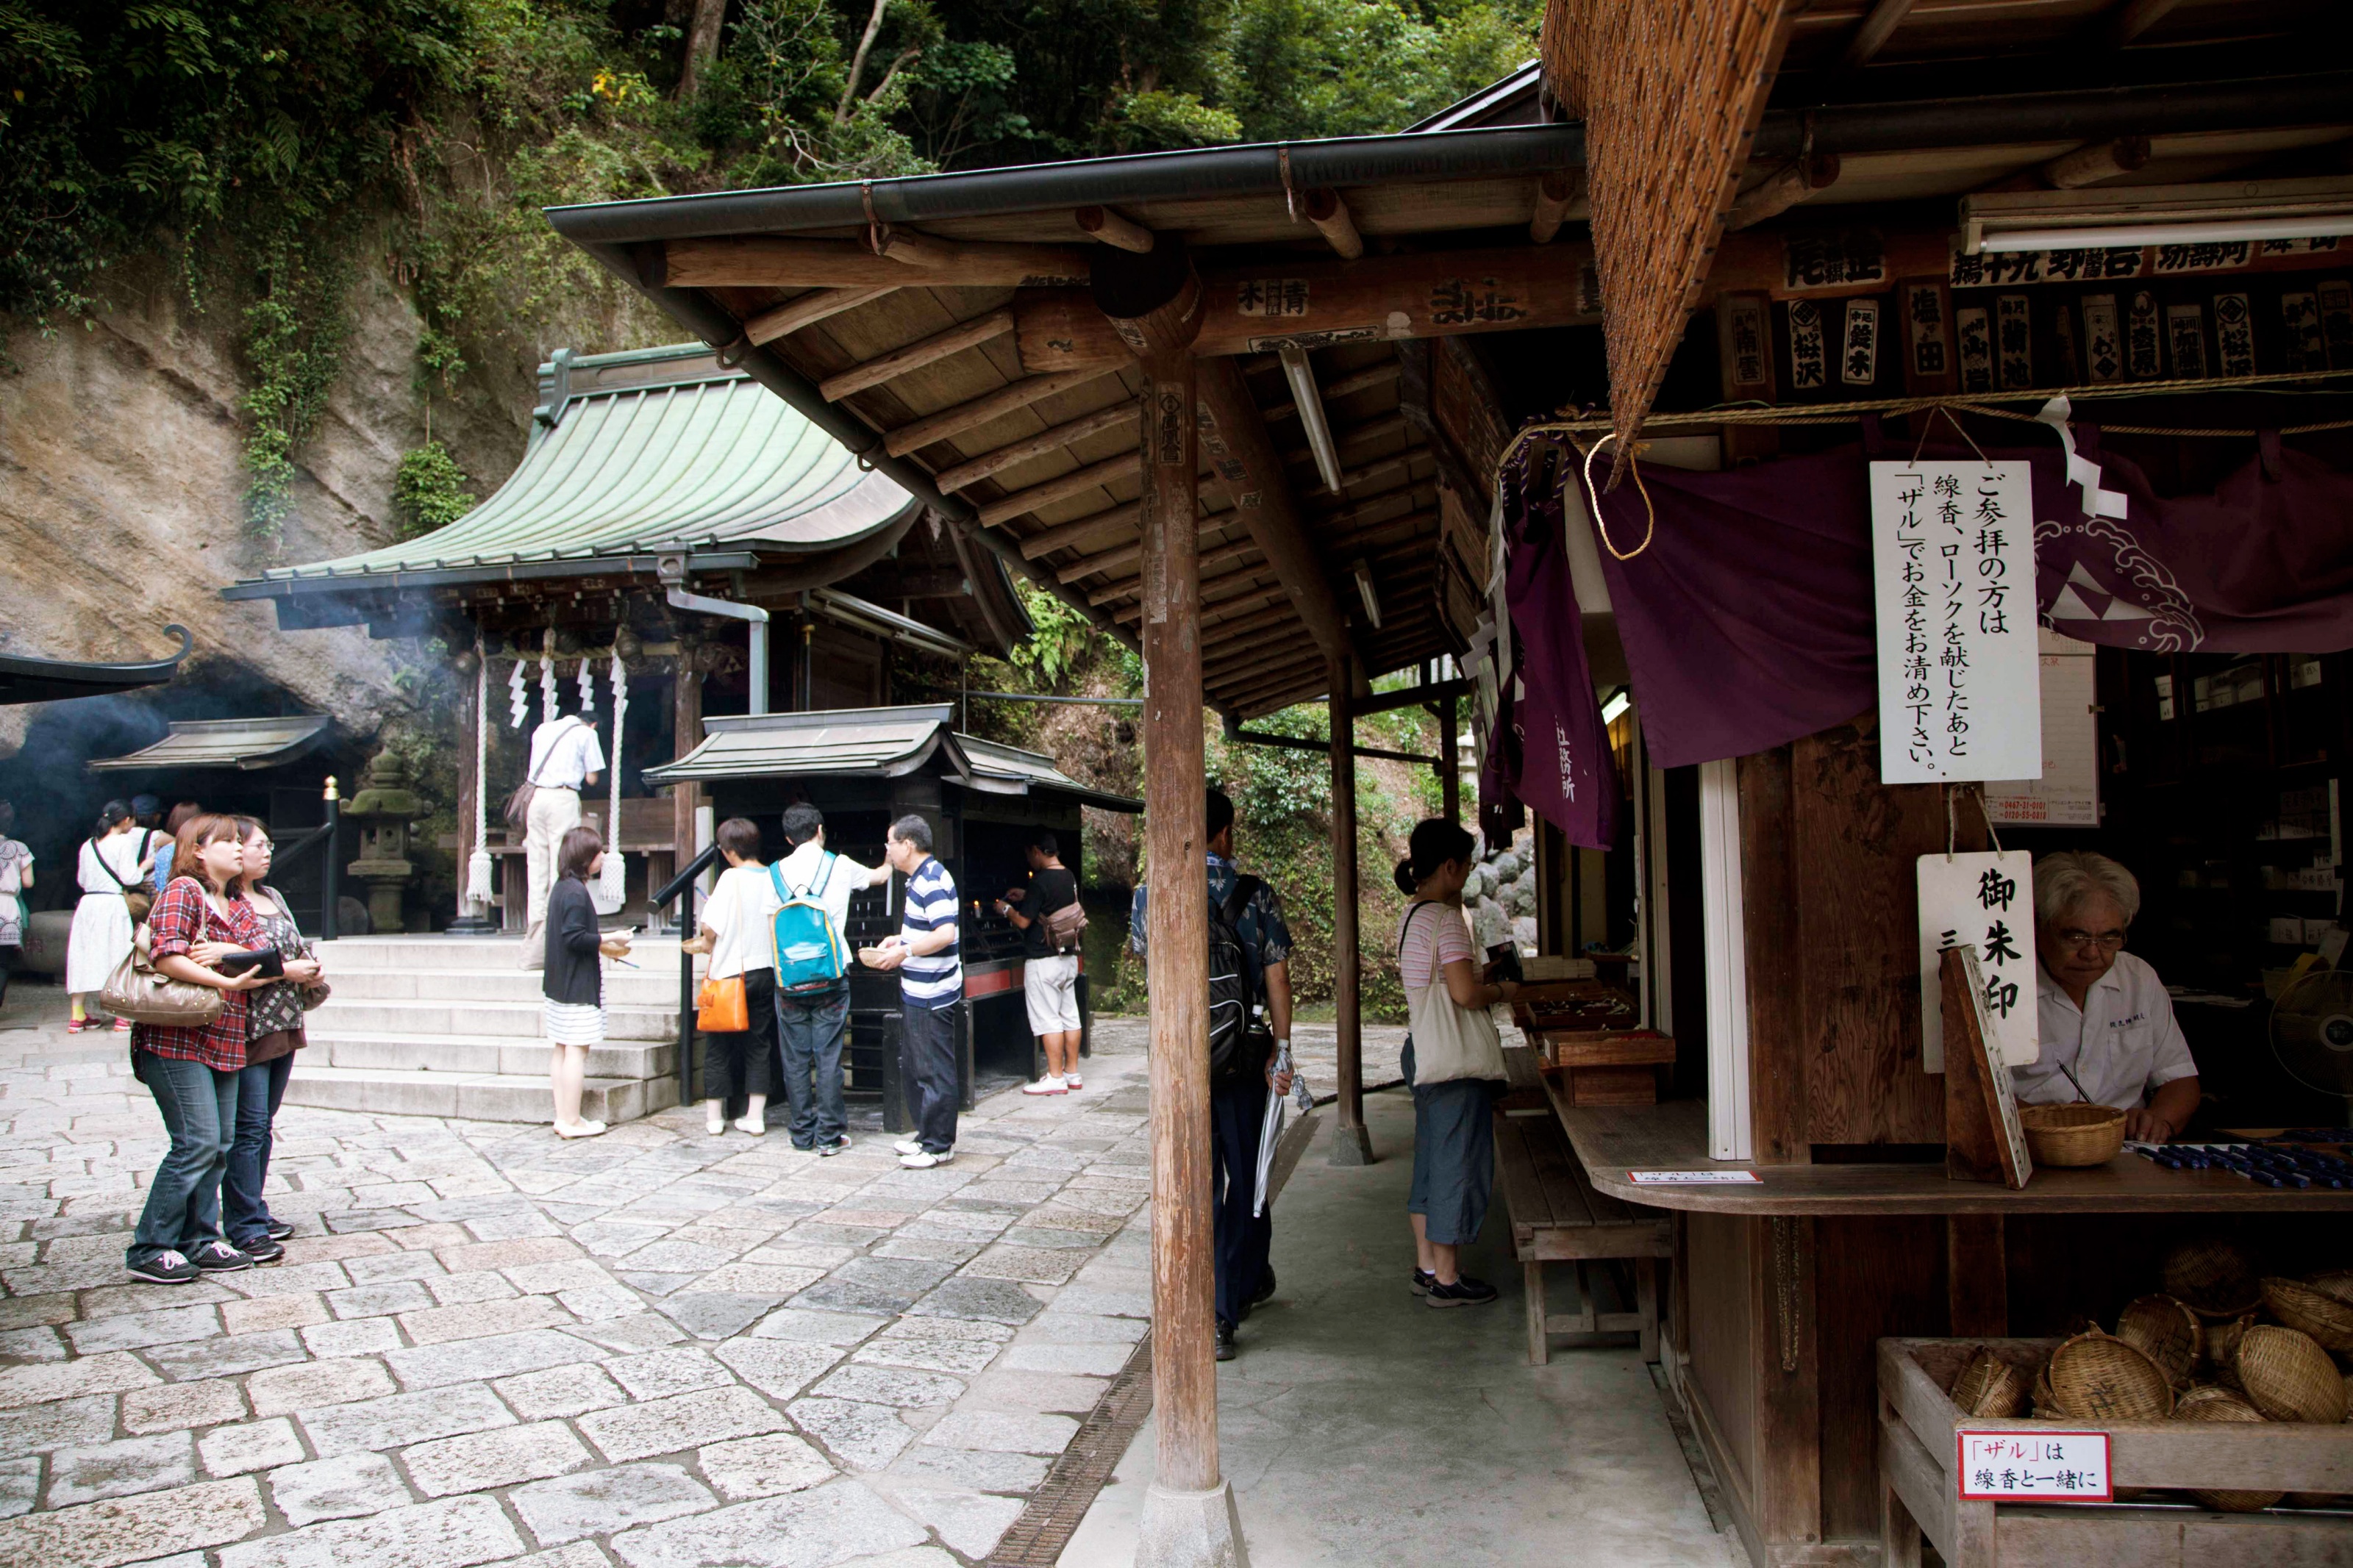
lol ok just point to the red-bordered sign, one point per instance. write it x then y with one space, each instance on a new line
2015 1466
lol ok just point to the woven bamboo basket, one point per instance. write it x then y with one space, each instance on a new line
2222 1348
1990 1386
2066 1135
2046 1404
2312 1311
2166 1332
2098 1377
2289 1377
2336 1282
2221 1405
2215 1277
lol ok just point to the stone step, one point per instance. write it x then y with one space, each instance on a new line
515 1020
623 987
487 1097
481 1055
427 952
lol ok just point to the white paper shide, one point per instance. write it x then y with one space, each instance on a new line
1953 556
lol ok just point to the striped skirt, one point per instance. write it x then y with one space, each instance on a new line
575 1024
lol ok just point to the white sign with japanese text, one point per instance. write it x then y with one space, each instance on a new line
1952 553
2068 793
2041 1466
1984 901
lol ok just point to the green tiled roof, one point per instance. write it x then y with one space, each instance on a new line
691 457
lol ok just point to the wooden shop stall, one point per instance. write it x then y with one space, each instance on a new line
1290 419
675 540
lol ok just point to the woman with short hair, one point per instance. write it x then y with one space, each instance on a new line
574 978
738 933
1454 1060
2103 1019
111 863
193 1069
273 1033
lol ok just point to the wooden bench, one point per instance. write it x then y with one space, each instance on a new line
1557 1218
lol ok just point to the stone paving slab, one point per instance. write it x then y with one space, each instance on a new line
654 1350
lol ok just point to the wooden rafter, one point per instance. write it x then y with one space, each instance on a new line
915 355
989 406
974 469
762 262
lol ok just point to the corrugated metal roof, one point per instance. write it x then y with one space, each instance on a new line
706 458
242 743
872 743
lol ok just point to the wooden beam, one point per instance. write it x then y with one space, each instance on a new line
1243 663
988 406
998 513
915 355
1556 193
1215 555
1324 209
2094 162
1340 387
1877 27
1028 447
767 262
1221 588
1370 430
1437 294
1374 509
1046 540
1800 182
1238 448
816 305
1102 223
2131 18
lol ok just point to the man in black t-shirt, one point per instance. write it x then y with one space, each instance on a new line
1050 972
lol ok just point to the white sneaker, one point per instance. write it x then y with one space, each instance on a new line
714 1128
757 1128
1049 1084
1070 1080
920 1161
908 1146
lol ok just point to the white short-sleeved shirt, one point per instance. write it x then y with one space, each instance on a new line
2123 1044
740 912
564 752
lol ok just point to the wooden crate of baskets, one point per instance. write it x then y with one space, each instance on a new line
2200 1475
1606 1066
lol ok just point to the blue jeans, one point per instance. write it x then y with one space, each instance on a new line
199 1108
259 1089
810 1031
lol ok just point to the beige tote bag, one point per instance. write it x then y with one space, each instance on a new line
1449 1041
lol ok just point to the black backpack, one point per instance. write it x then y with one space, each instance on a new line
1233 991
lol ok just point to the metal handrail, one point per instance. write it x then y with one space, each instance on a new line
681 888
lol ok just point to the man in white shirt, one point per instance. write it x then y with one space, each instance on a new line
2101 1013
812 1025
564 755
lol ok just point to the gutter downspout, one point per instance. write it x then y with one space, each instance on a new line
671 574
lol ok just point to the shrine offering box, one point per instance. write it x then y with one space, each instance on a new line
1921 1483
1606 1066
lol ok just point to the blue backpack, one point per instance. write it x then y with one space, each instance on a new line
811 955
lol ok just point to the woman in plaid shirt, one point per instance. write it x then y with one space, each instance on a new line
199 918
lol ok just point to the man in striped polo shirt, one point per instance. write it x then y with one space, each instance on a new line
931 983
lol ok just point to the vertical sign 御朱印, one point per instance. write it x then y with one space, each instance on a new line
1953 556
1985 900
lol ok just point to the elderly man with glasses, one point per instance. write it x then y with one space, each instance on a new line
2103 1014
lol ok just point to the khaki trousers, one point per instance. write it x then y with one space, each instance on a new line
553 812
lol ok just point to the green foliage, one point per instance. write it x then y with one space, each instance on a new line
430 491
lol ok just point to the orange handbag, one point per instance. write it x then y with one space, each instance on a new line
720 1008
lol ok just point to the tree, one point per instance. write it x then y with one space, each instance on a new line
702 45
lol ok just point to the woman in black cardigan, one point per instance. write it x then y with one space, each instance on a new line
573 980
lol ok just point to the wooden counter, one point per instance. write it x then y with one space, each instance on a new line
1613 1140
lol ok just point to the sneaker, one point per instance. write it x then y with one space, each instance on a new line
923 1159
1464 1292
1049 1084
714 1128
220 1257
1071 1080
82 1026
841 1145
1226 1348
908 1146
263 1251
757 1126
1265 1288
122 1025
164 1268
279 1230
1424 1281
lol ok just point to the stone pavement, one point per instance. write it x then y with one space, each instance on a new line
656 1349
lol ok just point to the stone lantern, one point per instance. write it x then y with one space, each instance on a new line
385 807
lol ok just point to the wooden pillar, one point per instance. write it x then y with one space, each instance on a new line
1350 1144
686 722
1154 301
1450 748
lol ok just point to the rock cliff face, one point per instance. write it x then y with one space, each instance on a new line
122 486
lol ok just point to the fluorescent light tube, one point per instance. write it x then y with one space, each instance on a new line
2171 233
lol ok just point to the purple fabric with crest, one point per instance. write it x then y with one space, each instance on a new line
1748 621
1557 748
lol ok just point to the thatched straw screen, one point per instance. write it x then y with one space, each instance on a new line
1671 91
